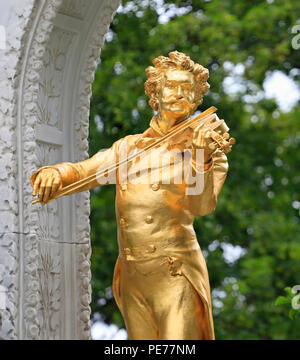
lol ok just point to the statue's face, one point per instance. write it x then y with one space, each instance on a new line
177 97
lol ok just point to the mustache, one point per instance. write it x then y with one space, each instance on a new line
173 101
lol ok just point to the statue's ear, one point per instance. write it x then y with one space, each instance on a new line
156 104
194 108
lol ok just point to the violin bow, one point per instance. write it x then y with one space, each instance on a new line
205 117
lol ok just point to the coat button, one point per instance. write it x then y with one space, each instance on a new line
155 187
127 251
123 187
149 219
122 221
151 248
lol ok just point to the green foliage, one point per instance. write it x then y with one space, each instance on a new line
287 300
255 208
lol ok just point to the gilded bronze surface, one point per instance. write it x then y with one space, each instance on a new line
161 282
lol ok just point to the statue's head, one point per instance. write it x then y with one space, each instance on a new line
176 84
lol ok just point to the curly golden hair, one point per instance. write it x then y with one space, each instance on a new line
180 61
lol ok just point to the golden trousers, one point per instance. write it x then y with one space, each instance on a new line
158 301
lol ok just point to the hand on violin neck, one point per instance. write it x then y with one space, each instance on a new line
202 140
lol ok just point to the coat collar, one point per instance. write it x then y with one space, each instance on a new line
154 132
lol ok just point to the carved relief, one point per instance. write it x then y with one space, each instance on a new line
42 292
49 216
81 152
8 281
51 79
49 292
31 287
84 287
74 8
32 83
47 154
36 92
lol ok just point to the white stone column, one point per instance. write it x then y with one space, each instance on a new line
46 72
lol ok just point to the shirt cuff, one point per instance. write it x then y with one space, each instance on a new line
67 171
202 168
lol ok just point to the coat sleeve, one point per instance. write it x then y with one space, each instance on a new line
204 202
72 172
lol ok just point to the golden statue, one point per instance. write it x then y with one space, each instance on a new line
160 282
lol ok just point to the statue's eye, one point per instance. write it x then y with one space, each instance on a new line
187 86
169 84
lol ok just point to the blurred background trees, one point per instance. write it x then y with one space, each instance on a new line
252 241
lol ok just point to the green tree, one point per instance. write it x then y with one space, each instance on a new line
259 203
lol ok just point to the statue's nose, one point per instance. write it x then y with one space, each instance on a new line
179 92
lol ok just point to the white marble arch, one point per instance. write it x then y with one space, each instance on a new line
46 72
